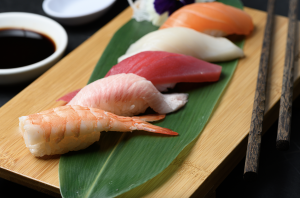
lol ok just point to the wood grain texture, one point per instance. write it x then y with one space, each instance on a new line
200 167
255 134
286 100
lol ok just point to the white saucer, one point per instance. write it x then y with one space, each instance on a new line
37 23
76 12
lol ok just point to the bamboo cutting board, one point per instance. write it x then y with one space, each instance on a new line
200 167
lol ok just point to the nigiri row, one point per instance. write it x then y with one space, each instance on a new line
158 60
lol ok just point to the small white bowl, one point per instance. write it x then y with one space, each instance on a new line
76 12
38 24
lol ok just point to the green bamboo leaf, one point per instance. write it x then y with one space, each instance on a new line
119 162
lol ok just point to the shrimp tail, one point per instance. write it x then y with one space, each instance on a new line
150 118
126 124
141 125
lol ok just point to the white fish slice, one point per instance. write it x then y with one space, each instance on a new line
186 41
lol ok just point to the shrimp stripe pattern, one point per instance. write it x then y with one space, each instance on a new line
72 127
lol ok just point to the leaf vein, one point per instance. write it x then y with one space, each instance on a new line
103 167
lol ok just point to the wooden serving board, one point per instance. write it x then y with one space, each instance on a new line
199 168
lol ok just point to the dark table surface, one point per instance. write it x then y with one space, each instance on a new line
279 173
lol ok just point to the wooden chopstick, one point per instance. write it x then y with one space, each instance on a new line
286 100
254 139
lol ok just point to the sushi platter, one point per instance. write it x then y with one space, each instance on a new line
200 167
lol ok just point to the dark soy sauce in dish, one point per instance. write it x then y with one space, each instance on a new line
21 47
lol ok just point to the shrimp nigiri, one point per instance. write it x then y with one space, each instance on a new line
127 95
71 128
186 41
213 18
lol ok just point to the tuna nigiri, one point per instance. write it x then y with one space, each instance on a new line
186 41
72 128
165 69
213 18
127 95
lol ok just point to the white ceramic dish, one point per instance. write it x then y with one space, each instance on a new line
76 12
39 24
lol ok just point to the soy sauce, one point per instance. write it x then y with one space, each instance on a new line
21 47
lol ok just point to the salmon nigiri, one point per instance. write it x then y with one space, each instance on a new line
127 95
213 18
165 69
72 128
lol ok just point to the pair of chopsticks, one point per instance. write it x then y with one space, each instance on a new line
283 135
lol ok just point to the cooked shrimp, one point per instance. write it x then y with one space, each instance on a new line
71 128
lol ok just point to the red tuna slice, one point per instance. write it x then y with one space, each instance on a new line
161 67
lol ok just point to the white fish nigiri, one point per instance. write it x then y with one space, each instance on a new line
127 95
186 41
72 127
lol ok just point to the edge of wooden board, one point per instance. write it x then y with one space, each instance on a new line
199 187
30 182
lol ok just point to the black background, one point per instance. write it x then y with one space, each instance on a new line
279 173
